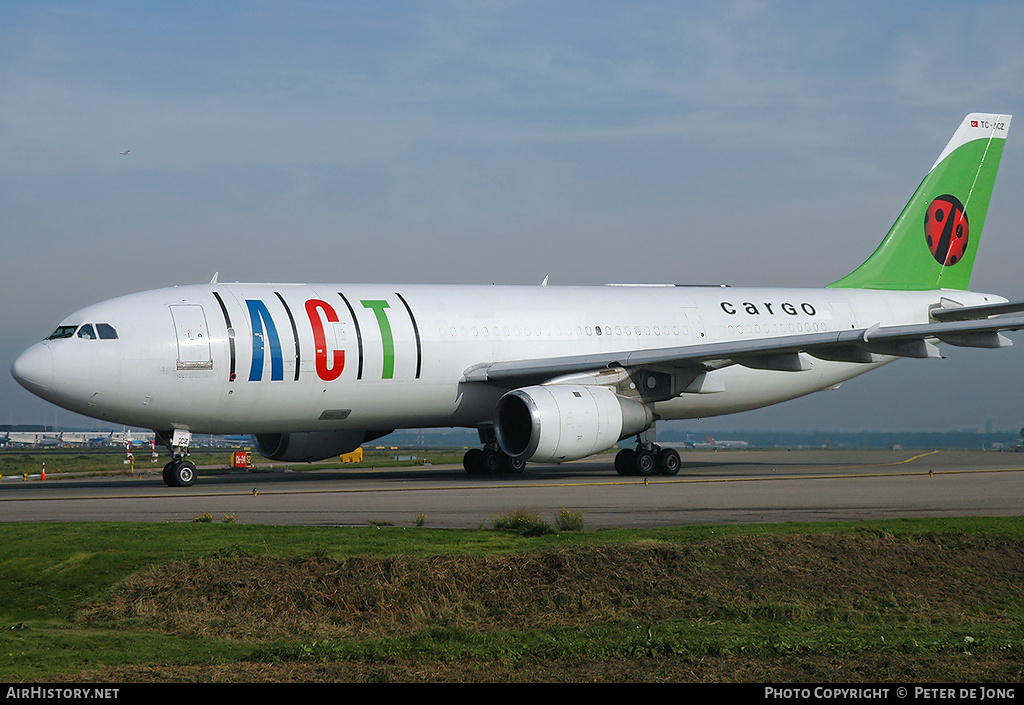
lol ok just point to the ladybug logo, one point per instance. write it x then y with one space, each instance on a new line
945 230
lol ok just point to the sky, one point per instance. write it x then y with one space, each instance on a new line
742 143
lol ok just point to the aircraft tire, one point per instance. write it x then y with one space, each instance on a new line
182 473
644 463
512 465
490 462
624 461
668 461
472 461
169 474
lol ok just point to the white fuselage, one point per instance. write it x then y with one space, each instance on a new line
273 358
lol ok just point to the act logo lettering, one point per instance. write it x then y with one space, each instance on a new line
330 363
261 318
327 370
386 337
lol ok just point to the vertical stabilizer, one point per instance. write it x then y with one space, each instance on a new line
932 245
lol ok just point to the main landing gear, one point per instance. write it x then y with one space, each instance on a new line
648 458
491 459
654 460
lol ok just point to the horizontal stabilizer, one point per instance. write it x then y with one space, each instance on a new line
973 313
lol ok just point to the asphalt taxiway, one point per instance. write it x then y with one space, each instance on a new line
738 486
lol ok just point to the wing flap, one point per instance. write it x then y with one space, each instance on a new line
784 362
987 339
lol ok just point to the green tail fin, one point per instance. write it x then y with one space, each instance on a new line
932 245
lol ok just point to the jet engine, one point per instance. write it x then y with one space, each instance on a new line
308 446
554 423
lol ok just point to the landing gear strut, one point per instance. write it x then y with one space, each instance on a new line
491 459
180 472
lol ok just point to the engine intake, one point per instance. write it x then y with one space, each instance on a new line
555 423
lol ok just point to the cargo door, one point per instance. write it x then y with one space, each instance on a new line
193 337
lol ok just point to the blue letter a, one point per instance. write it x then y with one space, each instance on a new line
260 317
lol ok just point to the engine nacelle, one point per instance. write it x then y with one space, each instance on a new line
307 446
554 423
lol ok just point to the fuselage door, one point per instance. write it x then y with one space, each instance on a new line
694 325
193 337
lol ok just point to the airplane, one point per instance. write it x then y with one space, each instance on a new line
125 152
545 374
710 442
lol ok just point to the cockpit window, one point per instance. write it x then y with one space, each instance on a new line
103 331
63 332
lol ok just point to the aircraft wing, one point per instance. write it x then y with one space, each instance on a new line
864 345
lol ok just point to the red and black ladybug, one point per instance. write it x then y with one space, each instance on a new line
945 229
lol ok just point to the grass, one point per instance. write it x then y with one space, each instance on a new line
524 522
927 600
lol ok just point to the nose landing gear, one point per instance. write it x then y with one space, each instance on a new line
180 472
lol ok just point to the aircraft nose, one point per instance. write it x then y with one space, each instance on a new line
34 369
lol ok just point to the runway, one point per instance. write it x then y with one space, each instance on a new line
728 487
